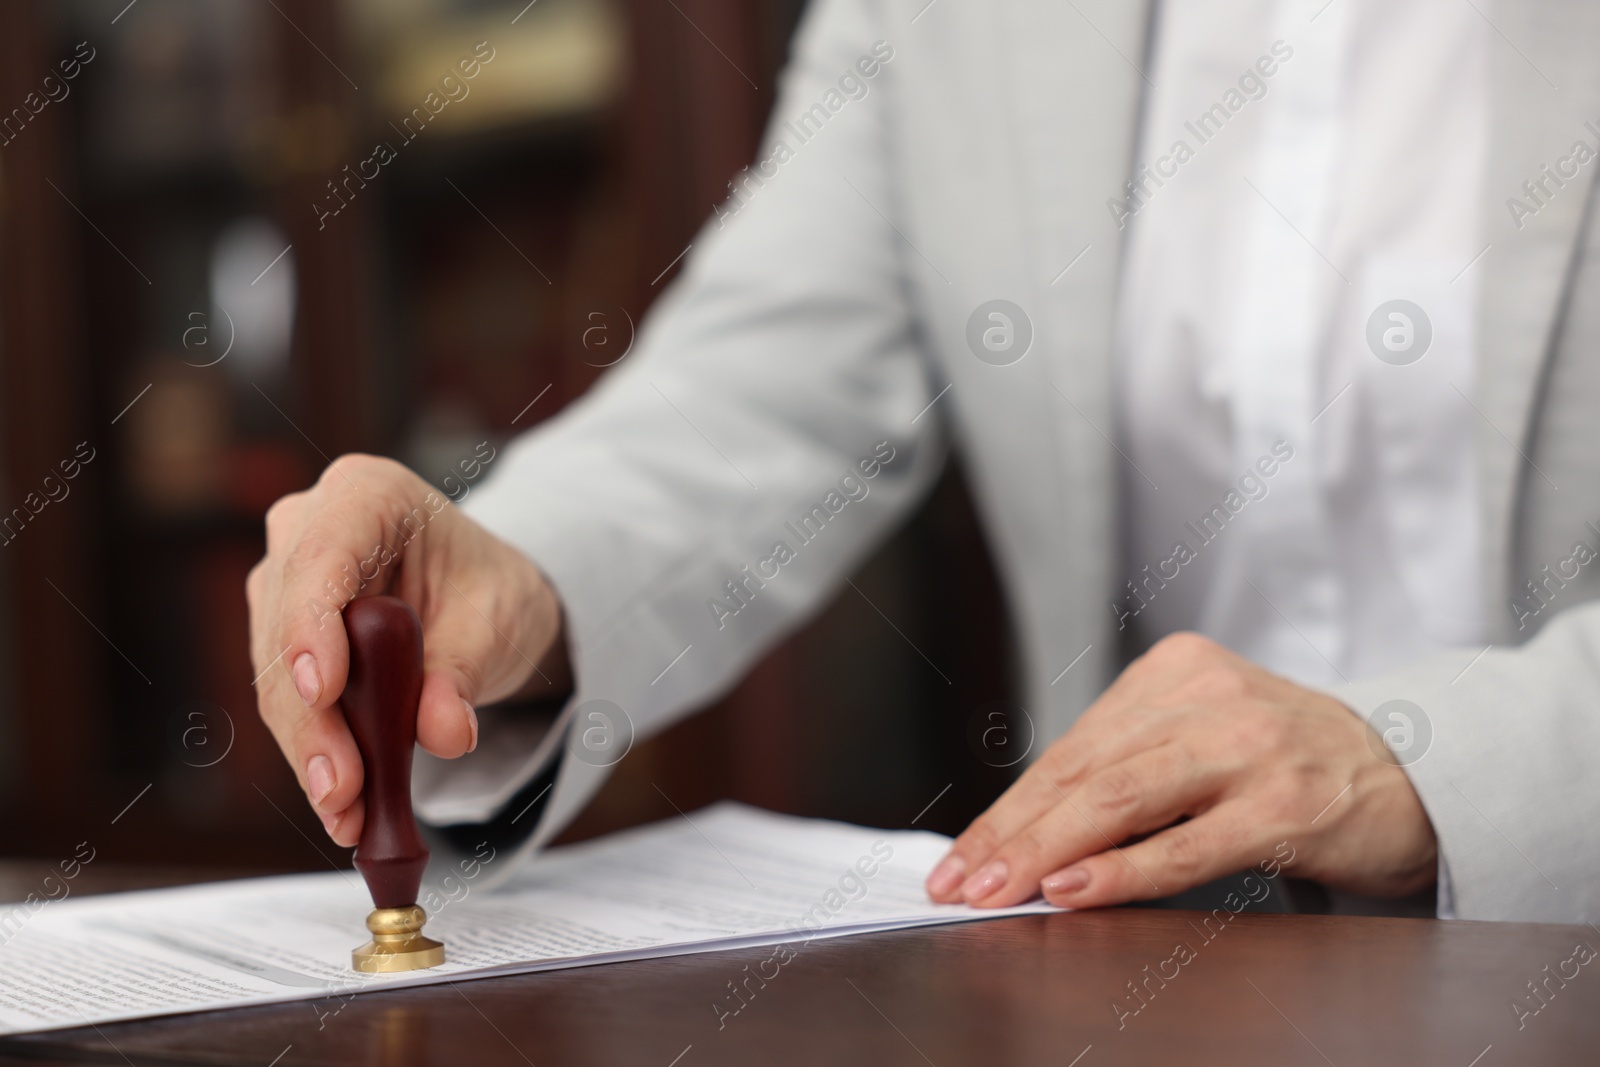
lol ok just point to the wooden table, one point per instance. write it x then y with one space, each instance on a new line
1266 989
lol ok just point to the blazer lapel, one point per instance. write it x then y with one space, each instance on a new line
1074 78
1544 97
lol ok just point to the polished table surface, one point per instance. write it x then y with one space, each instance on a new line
1265 989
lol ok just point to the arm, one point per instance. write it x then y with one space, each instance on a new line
782 359
1509 778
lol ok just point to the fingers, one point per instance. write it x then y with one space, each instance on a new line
344 539
321 752
1040 789
325 546
316 742
344 827
1189 730
1217 843
1144 792
1146 706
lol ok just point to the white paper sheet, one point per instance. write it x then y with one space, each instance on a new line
724 877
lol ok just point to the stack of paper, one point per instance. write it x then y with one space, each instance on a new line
722 878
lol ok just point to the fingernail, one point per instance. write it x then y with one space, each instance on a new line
946 876
320 779
472 724
1068 881
307 682
330 823
989 878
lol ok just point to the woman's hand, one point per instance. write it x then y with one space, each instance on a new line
1206 762
491 624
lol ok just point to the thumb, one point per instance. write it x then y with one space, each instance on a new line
467 660
447 724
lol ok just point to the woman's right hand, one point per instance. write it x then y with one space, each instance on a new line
491 623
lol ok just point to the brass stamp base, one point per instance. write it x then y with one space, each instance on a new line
397 943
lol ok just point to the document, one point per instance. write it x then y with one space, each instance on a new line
724 877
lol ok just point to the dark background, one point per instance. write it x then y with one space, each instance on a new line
499 259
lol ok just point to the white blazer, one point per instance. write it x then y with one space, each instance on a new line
936 158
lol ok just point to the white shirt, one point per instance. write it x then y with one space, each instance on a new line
1349 177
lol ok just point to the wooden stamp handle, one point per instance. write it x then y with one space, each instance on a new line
380 703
